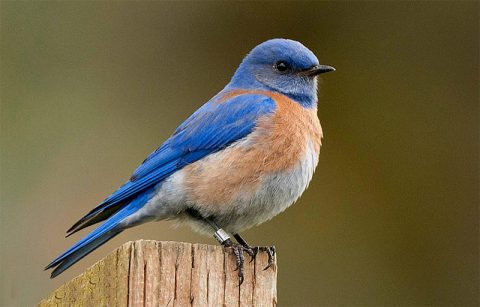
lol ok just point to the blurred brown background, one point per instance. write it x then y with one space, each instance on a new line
391 217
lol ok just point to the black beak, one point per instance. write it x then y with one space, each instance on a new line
318 69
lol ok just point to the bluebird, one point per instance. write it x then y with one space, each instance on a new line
239 160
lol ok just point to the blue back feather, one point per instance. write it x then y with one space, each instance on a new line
211 128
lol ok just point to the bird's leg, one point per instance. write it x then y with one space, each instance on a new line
224 239
253 251
237 249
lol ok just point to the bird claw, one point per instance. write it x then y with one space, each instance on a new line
271 251
255 251
238 251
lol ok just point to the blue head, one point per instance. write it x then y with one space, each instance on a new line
284 66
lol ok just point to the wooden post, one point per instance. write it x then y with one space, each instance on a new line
153 273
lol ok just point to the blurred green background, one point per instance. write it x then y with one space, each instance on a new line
88 89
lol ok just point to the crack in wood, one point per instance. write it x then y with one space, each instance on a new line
150 273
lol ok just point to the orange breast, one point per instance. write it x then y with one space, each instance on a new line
277 144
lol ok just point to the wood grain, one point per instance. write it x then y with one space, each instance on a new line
153 273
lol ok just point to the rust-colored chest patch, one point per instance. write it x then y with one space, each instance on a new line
277 145
288 132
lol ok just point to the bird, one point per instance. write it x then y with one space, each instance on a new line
239 160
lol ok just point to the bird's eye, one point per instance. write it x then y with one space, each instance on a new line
281 66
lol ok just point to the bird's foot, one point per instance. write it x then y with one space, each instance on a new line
271 251
254 250
238 251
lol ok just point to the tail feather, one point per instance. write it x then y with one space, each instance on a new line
91 220
110 228
73 258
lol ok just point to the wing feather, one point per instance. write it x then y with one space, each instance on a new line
211 128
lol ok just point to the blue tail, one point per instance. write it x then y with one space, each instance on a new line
110 228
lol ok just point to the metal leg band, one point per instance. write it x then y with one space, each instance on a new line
221 236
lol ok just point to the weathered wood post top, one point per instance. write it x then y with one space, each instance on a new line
153 273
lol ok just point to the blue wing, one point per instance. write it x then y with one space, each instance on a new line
211 128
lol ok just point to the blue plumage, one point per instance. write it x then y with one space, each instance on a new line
213 127
98 236
279 66
290 83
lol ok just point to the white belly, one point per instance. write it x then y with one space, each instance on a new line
275 193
